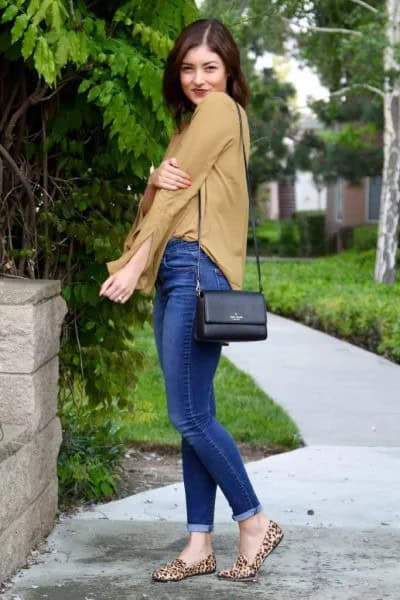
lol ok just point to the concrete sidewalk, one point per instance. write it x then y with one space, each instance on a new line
338 498
337 393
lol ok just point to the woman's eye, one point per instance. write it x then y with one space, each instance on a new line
185 69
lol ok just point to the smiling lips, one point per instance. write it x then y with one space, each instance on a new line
200 92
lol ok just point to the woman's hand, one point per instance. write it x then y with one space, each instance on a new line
120 286
168 176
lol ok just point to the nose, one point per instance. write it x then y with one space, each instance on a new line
198 78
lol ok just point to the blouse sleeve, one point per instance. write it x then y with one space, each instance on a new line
140 214
212 129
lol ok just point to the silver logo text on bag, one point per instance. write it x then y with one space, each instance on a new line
236 317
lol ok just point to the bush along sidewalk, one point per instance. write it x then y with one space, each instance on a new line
302 235
338 295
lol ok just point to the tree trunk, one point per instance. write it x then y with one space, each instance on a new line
385 266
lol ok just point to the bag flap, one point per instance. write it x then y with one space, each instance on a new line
234 307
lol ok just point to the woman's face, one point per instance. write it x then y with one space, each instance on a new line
202 72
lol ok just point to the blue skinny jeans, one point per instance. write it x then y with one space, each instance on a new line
210 456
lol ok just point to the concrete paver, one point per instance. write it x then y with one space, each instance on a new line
104 560
329 480
338 498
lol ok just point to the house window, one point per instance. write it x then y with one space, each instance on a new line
374 198
339 199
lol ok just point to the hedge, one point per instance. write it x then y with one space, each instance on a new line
338 295
311 226
302 235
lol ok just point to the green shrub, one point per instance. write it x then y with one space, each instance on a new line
269 231
268 235
289 239
311 227
276 238
338 295
365 237
88 457
303 235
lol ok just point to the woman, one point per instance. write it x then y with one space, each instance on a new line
202 80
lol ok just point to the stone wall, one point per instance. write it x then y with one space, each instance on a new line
31 315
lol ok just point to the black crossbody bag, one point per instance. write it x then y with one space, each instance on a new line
224 316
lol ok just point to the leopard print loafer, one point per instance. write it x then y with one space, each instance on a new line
178 569
243 570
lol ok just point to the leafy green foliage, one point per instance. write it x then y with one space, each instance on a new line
83 120
255 25
271 122
351 145
88 459
337 295
365 237
352 148
311 227
279 238
303 235
344 59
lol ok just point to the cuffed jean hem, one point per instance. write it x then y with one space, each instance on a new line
248 513
199 527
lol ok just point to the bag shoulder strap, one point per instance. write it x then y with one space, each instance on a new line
251 208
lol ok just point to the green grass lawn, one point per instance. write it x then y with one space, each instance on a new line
336 294
248 413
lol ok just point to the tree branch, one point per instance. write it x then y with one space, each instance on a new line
324 29
365 5
9 105
7 156
371 88
306 28
58 88
34 98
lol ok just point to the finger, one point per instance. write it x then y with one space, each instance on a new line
164 185
176 179
116 295
172 175
176 171
106 285
123 296
113 290
174 164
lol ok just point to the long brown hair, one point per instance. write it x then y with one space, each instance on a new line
218 38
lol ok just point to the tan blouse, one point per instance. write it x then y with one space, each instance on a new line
210 151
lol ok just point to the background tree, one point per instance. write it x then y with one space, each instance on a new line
81 120
271 116
354 45
350 143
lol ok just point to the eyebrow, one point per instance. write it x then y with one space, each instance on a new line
204 64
